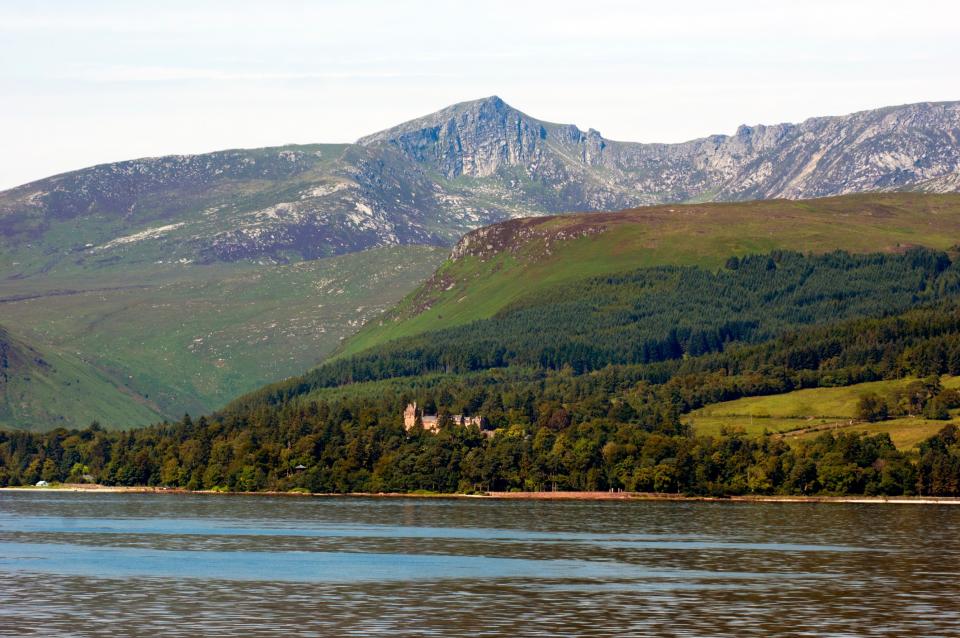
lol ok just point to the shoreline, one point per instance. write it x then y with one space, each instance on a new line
507 496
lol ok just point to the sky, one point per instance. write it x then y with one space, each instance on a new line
100 81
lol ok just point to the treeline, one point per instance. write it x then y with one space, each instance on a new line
347 451
925 397
922 342
620 427
658 314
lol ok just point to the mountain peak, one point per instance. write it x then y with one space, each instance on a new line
481 107
493 101
475 138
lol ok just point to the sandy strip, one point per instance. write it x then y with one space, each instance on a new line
537 496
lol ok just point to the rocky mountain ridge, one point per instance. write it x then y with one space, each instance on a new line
883 149
432 179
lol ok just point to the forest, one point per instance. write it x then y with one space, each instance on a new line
585 387
661 314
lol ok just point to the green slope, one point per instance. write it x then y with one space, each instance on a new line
804 414
188 338
665 313
45 387
500 264
186 280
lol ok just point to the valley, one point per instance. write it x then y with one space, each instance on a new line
44 387
163 340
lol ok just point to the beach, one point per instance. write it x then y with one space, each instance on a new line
532 496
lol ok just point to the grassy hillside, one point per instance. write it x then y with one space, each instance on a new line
664 313
803 414
188 338
495 266
43 387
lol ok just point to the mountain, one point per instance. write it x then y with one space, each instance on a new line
584 345
273 205
651 284
186 280
430 180
883 149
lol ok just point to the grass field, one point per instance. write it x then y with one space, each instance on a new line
187 338
542 252
43 387
905 433
804 413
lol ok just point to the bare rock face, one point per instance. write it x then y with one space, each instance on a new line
883 149
432 179
475 139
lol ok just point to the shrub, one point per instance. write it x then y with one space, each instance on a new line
872 407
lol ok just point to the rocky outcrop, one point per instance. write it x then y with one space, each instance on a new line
476 139
884 149
514 235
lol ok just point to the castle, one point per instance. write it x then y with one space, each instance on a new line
432 423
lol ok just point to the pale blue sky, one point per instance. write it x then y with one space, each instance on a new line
89 82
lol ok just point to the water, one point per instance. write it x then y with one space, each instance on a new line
80 564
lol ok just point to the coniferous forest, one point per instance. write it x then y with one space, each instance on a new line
584 386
